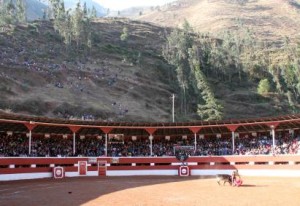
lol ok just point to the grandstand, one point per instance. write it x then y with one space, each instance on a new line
146 146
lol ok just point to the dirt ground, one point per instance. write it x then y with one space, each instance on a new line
152 191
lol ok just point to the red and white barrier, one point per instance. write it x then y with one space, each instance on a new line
32 168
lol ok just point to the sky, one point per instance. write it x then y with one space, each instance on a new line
123 4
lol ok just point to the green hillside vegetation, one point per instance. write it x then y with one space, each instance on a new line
112 69
251 39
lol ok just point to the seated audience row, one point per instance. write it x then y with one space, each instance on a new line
16 145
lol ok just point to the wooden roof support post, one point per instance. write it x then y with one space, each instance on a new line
30 126
74 129
273 126
195 130
106 130
151 131
232 128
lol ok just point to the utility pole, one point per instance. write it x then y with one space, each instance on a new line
173 100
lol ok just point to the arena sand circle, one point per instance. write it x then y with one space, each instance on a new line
150 191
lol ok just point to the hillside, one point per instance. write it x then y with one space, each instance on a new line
231 59
115 81
270 20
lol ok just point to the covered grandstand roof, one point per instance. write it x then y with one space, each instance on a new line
24 123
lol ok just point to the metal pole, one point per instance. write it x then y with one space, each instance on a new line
106 144
74 143
151 149
273 136
232 137
29 149
173 107
195 142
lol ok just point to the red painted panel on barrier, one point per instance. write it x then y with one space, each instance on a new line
82 167
58 172
183 171
102 168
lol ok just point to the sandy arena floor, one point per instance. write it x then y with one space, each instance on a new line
152 191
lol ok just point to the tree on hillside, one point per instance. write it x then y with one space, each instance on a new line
10 8
216 55
286 74
234 54
94 13
87 32
60 15
12 12
77 24
61 21
54 8
176 52
263 86
72 26
181 52
85 10
21 11
67 31
210 109
124 36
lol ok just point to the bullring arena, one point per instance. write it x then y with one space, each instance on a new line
62 162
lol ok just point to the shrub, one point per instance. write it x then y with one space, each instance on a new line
263 86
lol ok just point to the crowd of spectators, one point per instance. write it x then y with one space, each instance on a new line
13 145
81 76
78 75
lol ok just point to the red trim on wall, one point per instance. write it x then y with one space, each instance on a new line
106 130
24 170
275 124
195 129
74 129
30 126
232 128
150 130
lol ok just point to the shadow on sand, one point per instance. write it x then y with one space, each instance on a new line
247 185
